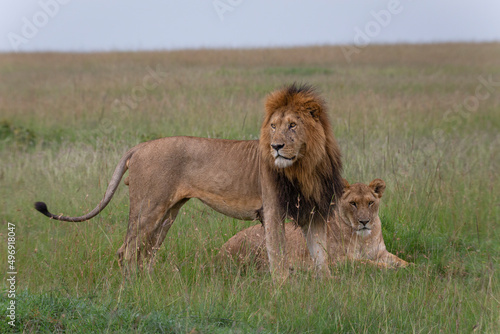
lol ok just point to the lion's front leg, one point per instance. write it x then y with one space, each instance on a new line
316 238
274 226
276 244
391 260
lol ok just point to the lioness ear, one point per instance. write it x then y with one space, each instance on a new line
378 187
345 184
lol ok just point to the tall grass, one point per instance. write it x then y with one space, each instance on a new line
66 119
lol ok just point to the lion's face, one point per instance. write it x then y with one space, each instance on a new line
359 205
294 128
286 133
296 142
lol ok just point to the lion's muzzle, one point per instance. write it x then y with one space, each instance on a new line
277 147
364 227
280 158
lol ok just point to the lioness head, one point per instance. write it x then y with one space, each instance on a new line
359 205
293 128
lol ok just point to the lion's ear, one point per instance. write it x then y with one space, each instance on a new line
345 184
314 109
378 187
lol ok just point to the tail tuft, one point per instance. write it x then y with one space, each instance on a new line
42 207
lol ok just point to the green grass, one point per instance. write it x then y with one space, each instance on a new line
65 122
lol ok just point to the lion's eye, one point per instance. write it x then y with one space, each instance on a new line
353 204
273 126
292 125
370 203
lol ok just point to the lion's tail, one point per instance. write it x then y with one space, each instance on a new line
113 185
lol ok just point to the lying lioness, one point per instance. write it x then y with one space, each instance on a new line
354 234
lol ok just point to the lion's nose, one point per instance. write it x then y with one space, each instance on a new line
277 147
364 221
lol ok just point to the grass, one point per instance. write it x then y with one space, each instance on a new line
65 120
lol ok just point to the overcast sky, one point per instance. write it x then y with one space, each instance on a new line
105 25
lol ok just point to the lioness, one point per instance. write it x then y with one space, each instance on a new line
354 234
296 159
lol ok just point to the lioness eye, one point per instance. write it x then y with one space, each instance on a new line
292 125
370 204
353 204
273 126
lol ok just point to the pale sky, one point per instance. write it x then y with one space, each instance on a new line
133 25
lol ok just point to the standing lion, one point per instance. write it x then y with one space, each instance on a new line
294 171
299 172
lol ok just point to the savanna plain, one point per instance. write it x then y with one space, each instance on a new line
424 118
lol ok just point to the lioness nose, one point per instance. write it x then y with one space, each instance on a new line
277 147
364 221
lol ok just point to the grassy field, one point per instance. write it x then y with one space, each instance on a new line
425 118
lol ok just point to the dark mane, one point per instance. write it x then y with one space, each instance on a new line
316 178
300 208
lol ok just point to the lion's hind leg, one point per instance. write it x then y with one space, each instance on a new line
156 238
148 227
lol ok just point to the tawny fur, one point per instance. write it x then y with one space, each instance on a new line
164 174
224 174
300 172
344 243
323 158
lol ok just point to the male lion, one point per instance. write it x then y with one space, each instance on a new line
354 234
299 172
226 175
